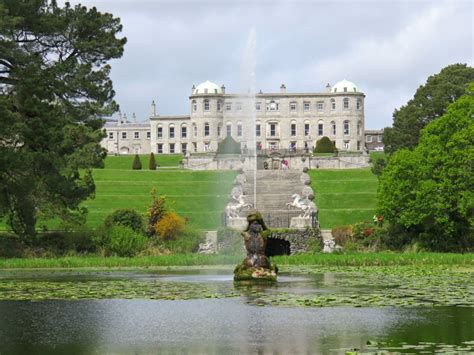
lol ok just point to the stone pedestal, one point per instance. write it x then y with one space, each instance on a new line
300 222
239 223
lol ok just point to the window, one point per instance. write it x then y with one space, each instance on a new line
306 106
320 106
358 127
293 129
207 146
206 105
111 135
345 89
379 139
159 132
206 129
159 149
320 129
293 106
333 128
195 106
306 129
258 130
229 130
148 135
238 106
333 104
346 145
184 131
358 104
258 106
239 129
228 107
218 105
171 130
124 135
184 148
368 138
136 135
346 103
273 129
171 147
346 128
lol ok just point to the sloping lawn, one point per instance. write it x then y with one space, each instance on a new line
344 196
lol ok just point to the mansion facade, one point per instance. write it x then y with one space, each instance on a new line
280 120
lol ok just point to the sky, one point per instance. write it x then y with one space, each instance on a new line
387 48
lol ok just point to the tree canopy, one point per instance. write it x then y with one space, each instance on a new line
54 89
428 193
430 102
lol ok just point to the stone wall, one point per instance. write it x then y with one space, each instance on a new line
301 241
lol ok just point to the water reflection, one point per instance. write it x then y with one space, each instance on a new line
216 326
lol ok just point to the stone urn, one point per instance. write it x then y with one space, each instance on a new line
256 265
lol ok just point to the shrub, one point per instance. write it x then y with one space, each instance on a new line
156 212
137 164
378 165
228 146
170 226
325 145
152 162
186 242
342 235
124 241
127 218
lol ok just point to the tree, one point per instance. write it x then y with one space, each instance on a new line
229 146
428 193
324 145
152 162
54 89
137 164
429 103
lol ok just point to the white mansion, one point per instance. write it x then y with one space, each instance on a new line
284 120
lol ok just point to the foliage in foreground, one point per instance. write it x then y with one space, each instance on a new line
427 194
54 89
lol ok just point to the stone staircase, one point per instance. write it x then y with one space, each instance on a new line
274 190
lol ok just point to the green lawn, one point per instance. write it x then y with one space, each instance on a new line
344 196
198 195
126 161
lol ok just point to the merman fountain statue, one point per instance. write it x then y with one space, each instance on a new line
256 265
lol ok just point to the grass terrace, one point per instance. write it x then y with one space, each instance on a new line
344 196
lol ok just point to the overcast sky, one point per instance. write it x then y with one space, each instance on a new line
387 48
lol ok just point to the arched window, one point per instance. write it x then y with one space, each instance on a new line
229 129
184 130
333 104
195 106
206 129
333 128
320 128
171 131
346 103
346 128
239 129
206 105
359 125
293 129
358 104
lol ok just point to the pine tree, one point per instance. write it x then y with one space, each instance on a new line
137 164
152 162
